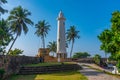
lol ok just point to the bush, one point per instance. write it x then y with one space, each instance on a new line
2 71
97 59
118 65
81 55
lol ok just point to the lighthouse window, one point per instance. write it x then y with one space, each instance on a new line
59 40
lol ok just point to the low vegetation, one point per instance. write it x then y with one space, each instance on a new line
81 55
97 59
15 52
72 75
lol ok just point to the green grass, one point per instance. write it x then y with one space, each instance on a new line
71 75
47 64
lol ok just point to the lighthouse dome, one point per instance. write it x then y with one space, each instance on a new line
61 16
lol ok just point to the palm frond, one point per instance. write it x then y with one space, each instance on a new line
19 20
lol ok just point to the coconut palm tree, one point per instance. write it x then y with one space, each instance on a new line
42 30
72 34
1 9
19 20
5 38
52 47
5 35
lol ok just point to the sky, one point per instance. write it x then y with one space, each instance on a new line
90 17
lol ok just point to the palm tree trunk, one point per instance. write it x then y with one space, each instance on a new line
12 44
43 42
71 49
53 54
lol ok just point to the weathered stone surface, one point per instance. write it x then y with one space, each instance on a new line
12 64
48 69
16 61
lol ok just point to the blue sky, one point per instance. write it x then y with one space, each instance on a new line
90 17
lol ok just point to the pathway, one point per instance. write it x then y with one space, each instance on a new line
92 74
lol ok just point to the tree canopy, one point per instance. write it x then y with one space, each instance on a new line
72 34
110 38
42 28
15 52
52 46
2 10
18 22
5 35
81 55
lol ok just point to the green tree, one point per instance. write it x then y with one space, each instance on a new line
97 59
112 57
115 28
2 10
111 37
18 22
52 46
15 52
5 38
5 35
81 55
42 30
112 45
72 34
105 37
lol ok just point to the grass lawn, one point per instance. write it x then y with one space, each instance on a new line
48 64
71 75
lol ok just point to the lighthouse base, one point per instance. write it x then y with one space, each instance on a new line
61 55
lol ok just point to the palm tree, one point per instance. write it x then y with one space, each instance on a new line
42 30
5 38
19 20
5 35
1 9
72 34
52 47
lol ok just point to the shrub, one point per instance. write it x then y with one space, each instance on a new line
97 59
81 55
118 66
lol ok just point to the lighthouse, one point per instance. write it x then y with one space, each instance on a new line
61 40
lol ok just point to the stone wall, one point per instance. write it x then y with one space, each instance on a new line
48 69
54 59
13 63
1 61
16 61
87 60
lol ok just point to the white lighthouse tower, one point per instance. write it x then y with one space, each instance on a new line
61 42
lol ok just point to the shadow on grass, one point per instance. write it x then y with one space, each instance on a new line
69 75
22 77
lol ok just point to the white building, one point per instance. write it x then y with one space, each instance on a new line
61 40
